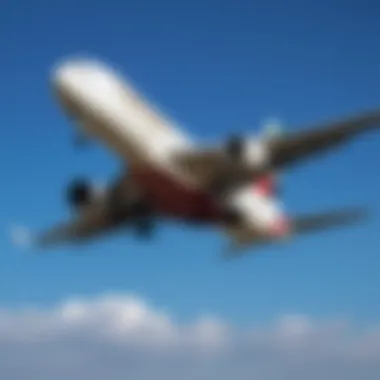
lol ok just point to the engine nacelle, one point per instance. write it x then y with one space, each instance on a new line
81 193
251 152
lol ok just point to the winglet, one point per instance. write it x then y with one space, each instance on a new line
272 128
21 236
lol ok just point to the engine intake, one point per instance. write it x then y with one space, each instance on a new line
80 193
247 151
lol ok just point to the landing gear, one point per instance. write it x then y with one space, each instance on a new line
144 223
231 217
133 210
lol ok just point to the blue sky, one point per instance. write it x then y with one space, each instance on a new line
214 67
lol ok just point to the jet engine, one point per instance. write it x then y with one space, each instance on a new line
251 152
81 193
120 201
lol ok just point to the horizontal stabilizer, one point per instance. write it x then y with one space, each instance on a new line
327 220
309 223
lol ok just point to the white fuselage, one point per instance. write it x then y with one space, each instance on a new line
108 108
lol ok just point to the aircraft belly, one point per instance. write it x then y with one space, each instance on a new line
171 197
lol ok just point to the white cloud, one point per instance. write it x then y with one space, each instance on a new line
118 337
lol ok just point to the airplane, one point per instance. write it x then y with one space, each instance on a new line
165 174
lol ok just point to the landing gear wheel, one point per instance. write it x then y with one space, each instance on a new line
144 220
231 217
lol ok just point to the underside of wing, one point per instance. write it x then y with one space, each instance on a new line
290 149
120 204
220 166
83 226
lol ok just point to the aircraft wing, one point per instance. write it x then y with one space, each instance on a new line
215 166
292 148
309 223
119 206
81 227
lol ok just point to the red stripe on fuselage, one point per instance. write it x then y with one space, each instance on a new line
169 196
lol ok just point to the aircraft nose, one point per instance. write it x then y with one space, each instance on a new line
64 75
68 79
83 78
